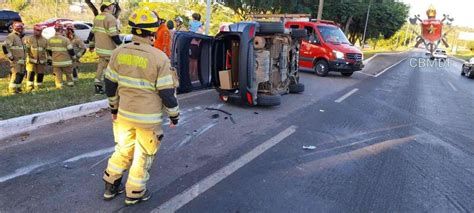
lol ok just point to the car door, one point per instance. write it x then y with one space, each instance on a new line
180 60
311 48
3 20
82 31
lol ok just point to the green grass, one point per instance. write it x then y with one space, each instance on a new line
370 53
48 98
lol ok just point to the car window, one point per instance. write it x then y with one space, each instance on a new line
333 35
3 15
81 27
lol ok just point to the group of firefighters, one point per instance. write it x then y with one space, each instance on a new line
136 77
32 54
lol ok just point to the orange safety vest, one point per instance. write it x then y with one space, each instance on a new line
163 39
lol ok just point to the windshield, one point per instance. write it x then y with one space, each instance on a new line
333 35
51 20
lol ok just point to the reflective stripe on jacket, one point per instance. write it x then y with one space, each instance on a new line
36 49
16 48
105 27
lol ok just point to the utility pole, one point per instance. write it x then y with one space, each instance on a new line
208 17
320 9
366 22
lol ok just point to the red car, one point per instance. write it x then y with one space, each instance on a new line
326 49
52 21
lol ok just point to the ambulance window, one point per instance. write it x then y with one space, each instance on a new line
310 33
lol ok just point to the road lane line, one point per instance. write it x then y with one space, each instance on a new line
90 154
390 67
342 98
452 86
23 171
194 191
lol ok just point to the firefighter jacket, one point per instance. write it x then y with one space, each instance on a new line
140 84
61 51
14 47
105 27
36 49
78 46
163 39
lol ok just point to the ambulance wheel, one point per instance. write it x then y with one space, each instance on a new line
268 100
271 27
321 68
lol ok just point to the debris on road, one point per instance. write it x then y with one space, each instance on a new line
321 110
256 113
215 116
309 147
223 111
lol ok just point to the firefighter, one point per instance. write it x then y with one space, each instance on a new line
180 24
139 84
79 49
15 50
37 58
163 38
106 38
60 56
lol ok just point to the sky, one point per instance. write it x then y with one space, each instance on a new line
461 10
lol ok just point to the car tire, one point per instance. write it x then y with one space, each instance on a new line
298 33
321 68
470 74
10 28
296 88
268 100
347 74
462 71
271 27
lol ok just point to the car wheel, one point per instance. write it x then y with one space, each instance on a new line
298 33
321 68
470 74
462 71
10 28
271 27
268 100
296 88
346 74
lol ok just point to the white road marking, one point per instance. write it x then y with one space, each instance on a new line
90 155
194 191
342 98
23 171
452 86
390 67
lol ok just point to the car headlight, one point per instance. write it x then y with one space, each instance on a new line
338 54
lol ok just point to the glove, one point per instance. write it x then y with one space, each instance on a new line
174 119
49 62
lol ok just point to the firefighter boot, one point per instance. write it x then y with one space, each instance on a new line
75 76
98 89
132 201
112 190
30 83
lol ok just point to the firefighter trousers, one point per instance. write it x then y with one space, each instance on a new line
35 71
135 149
17 73
101 66
59 71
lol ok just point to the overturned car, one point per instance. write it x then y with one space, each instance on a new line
468 68
253 63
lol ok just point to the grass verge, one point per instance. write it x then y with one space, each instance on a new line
48 98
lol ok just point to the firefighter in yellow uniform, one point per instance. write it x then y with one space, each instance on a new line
104 38
140 84
61 54
37 58
79 50
15 50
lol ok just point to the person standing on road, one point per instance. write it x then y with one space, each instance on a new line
60 55
15 50
106 38
36 63
79 49
163 38
139 84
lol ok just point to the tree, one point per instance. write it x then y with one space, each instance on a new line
386 16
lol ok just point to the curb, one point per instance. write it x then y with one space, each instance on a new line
27 123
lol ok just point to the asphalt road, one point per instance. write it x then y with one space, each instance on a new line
398 142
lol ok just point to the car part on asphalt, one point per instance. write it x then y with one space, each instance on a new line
296 88
309 147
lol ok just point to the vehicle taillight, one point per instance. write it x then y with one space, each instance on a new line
249 98
251 31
